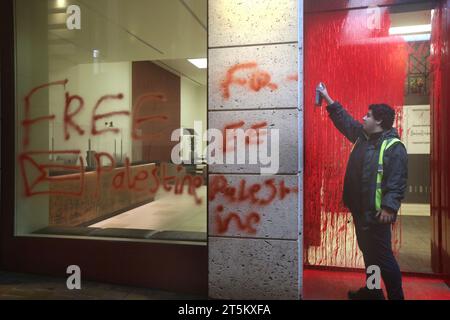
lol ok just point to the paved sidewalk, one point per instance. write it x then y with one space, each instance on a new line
32 287
318 285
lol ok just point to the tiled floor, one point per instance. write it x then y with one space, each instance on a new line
415 251
168 212
317 285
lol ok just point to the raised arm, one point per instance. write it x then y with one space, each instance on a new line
342 120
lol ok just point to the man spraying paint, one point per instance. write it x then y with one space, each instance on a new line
374 185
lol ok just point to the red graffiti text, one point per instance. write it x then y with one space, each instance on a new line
252 135
255 81
257 194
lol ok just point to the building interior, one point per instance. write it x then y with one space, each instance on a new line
151 56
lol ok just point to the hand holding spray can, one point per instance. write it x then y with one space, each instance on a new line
319 97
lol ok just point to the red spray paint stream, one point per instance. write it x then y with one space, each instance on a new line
360 64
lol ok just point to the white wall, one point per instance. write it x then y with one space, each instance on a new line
193 107
91 82
417 129
416 137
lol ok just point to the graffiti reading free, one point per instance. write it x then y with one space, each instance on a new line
124 179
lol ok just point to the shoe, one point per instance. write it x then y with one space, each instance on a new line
365 294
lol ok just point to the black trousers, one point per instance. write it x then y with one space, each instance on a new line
374 240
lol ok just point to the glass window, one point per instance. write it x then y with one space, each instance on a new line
109 118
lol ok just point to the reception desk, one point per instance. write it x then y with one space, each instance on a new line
100 198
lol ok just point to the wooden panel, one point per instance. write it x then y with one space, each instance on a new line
166 266
100 198
148 78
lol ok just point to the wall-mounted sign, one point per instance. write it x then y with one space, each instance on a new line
416 129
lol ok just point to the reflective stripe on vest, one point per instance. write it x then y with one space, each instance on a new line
386 145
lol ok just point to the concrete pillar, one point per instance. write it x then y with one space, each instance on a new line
256 79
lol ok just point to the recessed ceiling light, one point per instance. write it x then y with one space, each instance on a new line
417 37
95 53
199 63
420 28
61 3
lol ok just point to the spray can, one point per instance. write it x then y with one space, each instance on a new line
319 98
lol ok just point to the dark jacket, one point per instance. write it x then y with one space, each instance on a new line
360 176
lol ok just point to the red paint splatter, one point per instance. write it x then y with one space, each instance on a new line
360 66
293 77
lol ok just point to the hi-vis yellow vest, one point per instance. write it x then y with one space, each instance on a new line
385 145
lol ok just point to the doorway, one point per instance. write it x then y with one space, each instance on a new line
378 53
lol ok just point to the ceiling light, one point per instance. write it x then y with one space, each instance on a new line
61 3
421 28
417 37
95 53
199 63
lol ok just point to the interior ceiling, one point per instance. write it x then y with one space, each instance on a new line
165 31
410 18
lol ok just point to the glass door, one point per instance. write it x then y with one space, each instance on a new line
107 99
378 54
